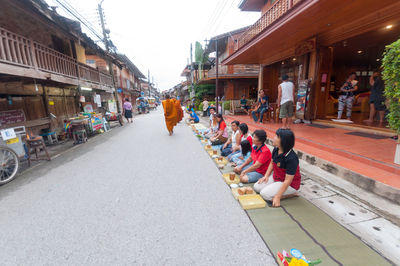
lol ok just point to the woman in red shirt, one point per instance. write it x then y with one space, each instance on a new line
221 136
286 178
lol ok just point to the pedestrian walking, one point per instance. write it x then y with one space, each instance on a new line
127 109
346 97
285 101
170 114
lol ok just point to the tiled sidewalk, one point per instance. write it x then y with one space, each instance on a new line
369 157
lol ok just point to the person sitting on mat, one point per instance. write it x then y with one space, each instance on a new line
222 134
233 143
286 178
255 167
244 135
193 116
212 130
244 153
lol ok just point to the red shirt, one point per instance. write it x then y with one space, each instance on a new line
286 164
222 126
249 138
262 155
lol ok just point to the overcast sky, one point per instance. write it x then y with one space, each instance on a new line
156 34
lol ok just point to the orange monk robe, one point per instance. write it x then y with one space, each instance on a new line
170 114
179 110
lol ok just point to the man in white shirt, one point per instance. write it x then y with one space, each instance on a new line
285 101
205 107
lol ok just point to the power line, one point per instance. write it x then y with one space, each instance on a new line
72 11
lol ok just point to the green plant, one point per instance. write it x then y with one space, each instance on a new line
391 76
227 105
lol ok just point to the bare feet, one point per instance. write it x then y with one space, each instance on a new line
368 121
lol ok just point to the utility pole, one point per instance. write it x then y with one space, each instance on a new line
216 75
106 44
191 67
149 82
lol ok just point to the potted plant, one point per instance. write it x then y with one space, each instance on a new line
391 76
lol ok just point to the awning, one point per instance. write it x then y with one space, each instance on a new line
330 20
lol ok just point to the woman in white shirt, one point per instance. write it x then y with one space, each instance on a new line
233 143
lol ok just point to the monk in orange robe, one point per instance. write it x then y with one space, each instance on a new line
170 114
178 110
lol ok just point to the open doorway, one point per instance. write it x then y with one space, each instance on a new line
361 55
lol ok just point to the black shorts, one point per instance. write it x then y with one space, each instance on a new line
378 101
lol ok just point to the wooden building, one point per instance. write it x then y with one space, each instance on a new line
43 66
320 41
234 80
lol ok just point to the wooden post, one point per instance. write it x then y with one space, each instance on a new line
260 79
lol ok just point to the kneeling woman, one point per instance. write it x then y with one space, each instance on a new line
255 167
286 178
221 136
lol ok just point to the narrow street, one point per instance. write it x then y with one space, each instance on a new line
130 196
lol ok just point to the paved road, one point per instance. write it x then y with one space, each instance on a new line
130 196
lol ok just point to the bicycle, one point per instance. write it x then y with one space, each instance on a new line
9 164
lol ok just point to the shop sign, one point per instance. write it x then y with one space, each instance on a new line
305 47
97 123
8 134
88 108
12 117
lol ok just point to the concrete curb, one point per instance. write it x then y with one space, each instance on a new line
364 182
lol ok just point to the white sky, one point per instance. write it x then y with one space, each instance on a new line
156 34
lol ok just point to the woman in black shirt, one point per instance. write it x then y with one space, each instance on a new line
282 178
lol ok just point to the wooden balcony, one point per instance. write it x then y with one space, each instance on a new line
20 56
234 71
279 8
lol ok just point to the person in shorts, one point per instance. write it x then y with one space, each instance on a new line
257 164
127 110
377 98
285 101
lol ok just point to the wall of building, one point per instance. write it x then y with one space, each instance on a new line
14 17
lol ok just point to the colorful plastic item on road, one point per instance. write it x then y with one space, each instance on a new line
249 202
228 179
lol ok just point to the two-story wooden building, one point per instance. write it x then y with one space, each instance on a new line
234 80
43 70
321 41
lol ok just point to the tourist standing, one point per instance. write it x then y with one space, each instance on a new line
205 107
346 97
285 101
377 98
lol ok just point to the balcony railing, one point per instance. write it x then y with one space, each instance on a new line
20 51
278 9
237 70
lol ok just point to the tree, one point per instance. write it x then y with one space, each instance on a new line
391 76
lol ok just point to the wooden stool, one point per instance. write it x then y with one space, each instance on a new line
80 136
36 144
51 137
